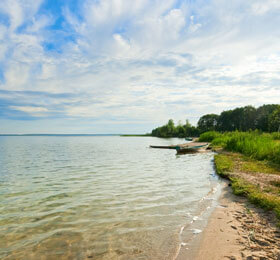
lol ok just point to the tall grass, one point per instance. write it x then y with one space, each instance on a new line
253 144
209 136
276 135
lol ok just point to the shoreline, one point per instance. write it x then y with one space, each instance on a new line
191 233
237 230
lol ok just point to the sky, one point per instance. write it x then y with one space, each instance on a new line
122 66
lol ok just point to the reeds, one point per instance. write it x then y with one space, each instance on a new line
256 145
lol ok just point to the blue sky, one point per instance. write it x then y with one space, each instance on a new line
122 66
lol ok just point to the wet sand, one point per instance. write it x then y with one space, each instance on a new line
237 230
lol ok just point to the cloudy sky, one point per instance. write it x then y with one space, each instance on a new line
123 66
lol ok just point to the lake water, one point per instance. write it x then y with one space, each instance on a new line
100 197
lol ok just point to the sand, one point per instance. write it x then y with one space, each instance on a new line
237 230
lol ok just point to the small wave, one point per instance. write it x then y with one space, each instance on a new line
181 230
195 218
196 231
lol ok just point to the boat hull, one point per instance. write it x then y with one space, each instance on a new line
195 149
192 147
189 151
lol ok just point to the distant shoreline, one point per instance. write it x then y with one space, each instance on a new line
60 134
136 135
123 135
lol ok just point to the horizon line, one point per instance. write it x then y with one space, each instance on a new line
60 134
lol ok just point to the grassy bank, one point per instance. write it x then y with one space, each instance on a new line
251 161
259 181
252 144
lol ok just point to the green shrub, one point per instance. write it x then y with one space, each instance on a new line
209 136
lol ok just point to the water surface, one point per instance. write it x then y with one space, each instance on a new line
98 197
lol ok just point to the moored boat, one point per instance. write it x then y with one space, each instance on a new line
192 148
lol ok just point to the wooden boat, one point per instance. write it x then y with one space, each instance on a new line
164 146
192 148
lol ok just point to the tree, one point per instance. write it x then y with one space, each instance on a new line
274 120
262 116
237 118
225 121
188 124
208 123
181 131
170 128
241 118
265 118
248 121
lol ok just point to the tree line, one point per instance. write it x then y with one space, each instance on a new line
265 118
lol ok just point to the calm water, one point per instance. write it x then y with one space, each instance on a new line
99 197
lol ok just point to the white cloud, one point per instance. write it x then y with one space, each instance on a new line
194 26
144 60
29 109
262 7
19 10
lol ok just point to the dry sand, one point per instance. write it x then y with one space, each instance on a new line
237 230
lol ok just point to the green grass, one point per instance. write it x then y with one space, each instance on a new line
254 166
252 144
225 165
276 136
261 155
209 136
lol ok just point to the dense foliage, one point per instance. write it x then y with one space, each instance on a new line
170 130
265 118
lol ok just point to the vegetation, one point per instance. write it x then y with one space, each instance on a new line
253 144
274 120
254 167
250 138
261 192
224 165
265 118
170 130
208 122
276 136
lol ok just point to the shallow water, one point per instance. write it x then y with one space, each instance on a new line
99 197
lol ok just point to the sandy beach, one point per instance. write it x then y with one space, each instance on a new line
237 230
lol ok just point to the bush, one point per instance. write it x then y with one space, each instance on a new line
209 136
